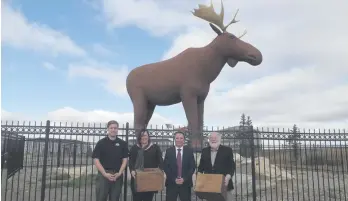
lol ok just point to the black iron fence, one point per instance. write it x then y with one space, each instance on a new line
12 153
271 164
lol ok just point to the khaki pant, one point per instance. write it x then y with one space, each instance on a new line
229 196
106 188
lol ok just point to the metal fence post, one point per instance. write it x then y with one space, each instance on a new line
59 152
253 173
125 182
22 151
44 168
74 154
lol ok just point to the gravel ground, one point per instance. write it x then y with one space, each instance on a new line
308 186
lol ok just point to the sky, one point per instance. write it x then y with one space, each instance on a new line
67 61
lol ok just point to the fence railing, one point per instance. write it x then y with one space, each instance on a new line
12 153
270 164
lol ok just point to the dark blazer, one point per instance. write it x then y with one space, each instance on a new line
223 164
170 166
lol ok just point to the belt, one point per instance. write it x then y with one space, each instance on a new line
111 170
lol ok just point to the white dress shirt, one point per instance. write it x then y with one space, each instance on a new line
181 151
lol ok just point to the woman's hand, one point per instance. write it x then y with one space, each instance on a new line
133 173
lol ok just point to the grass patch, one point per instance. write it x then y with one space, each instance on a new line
84 180
80 182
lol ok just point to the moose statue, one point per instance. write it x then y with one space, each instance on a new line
187 76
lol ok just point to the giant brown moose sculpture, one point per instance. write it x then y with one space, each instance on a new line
187 77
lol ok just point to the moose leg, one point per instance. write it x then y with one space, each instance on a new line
191 110
201 116
140 113
150 110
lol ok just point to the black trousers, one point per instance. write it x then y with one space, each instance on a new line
143 196
183 191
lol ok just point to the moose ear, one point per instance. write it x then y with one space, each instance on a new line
215 29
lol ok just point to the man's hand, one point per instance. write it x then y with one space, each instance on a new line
179 181
117 175
227 179
109 176
133 173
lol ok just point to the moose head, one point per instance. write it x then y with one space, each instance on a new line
227 44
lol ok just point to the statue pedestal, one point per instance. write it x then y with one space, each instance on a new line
210 187
150 179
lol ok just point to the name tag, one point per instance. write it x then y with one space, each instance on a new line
117 144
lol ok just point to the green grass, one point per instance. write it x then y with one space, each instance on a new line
84 180
80 182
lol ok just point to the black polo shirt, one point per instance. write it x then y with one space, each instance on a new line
111 152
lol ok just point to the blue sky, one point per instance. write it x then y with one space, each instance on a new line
68 61
53 86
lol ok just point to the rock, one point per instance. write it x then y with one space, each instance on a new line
63 173
242 184
265 170
239 160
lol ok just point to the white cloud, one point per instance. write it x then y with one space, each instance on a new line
48 66
296 96
101 50
69 114
11 117
18 32
302 79
113 77
73 116
157 17
70 118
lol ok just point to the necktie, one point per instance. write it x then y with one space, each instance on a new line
178 162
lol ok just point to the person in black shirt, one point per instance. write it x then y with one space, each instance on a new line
110 157
144 154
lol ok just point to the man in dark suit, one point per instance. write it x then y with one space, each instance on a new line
218 159
179 166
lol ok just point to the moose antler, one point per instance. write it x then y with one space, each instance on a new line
242 34
207 13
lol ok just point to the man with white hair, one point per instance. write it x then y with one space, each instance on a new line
218 159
